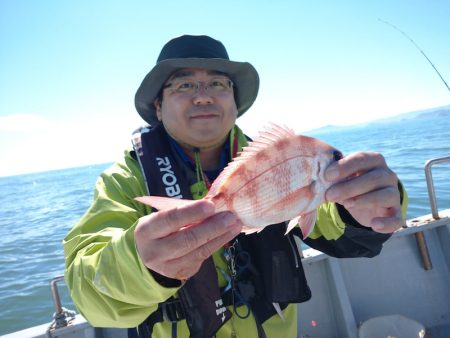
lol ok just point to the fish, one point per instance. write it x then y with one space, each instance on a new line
278 177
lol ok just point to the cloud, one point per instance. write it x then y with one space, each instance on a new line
25 123
33 143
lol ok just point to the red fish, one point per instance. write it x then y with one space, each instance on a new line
277 177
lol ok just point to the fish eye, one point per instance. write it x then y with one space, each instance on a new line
337 155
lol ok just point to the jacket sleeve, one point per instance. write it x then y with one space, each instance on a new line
108 282
338 234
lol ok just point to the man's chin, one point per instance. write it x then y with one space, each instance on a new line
208 138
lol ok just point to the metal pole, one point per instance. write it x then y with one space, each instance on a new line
55 293
423 250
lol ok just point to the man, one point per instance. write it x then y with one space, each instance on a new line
127 266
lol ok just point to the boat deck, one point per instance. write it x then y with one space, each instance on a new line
401 280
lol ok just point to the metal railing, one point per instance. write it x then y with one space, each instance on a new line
430 184
62 317
420 237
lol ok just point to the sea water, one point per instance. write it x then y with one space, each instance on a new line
37 210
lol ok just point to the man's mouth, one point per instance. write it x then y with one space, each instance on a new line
203 112
203 116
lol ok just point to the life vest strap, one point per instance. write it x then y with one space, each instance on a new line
172 311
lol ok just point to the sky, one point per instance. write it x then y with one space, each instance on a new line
69 69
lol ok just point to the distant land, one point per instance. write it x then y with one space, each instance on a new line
420 114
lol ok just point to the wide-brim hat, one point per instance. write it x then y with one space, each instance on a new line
190 51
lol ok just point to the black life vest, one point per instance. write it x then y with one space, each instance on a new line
275 274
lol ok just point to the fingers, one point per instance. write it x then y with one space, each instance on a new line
175 242
354 164
166 222
368 189
187 265
360 174
202 235
386 197
181 255
387 225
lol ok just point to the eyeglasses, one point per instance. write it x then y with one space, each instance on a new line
213 86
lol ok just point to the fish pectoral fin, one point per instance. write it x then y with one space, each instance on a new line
307 222
163 203
279 311
292 224
250 230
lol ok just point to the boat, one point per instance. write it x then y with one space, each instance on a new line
403 292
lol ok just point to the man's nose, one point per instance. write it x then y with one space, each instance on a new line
202 94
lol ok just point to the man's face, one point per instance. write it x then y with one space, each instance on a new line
194 115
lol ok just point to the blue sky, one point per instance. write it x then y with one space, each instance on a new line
69 69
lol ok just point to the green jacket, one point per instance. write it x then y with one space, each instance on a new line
110 285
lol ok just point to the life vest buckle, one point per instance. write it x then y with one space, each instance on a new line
172 311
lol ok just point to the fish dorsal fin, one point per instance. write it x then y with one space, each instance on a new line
268 136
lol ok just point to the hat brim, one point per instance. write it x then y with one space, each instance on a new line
243 74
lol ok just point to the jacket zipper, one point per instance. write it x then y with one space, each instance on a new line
295 252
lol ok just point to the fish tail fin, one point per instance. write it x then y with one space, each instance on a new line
163 203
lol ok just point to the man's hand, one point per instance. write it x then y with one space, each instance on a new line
368 189
174 243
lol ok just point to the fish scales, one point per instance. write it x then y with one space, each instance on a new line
271 196
269 163
268 187
278 177
266 176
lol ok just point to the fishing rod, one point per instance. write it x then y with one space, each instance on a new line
417 46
